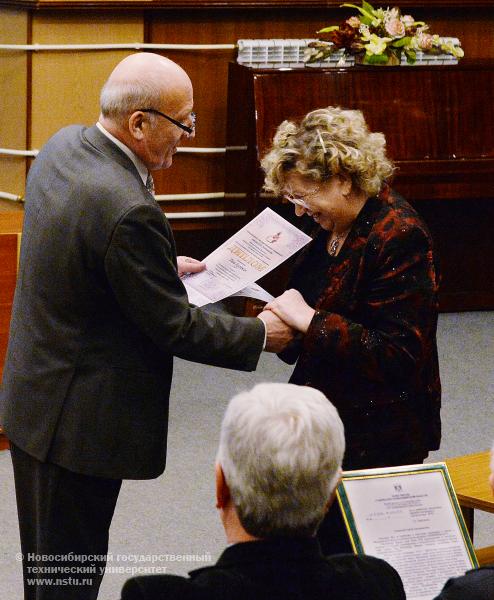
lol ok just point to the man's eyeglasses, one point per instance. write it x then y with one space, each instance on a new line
190 130
299 199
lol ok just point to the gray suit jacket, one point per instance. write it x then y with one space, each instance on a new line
99 312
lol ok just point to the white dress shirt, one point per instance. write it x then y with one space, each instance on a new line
140 166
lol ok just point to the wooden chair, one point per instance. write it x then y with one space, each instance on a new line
4 442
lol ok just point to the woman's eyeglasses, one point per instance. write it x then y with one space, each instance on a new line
299 199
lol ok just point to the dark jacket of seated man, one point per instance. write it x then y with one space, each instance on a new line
477 584
278 569
278 464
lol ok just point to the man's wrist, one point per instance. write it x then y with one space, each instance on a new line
265 335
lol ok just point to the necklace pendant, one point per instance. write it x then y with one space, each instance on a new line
333 246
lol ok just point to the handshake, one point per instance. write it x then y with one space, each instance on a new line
284 317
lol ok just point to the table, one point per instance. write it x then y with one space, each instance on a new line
470 474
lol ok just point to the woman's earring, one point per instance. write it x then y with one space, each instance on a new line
348 185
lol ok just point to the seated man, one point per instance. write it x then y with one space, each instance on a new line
477 584
278 464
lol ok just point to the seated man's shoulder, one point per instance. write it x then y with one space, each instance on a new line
367 573
208 583
477 584
347 576
212 584
159 587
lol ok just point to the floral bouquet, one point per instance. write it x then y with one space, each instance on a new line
380 36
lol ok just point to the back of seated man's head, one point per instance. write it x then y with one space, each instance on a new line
281 449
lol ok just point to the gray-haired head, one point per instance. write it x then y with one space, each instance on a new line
281 449
138 82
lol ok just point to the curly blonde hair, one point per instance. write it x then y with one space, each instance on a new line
327 142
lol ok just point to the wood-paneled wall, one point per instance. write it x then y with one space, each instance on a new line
65 85
47 90
13 99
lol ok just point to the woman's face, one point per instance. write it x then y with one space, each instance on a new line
324 201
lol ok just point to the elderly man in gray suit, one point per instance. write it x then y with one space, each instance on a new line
99 313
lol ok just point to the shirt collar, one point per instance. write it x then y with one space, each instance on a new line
139 165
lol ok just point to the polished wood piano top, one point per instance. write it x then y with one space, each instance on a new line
438 120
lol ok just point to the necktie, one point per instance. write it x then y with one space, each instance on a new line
150 184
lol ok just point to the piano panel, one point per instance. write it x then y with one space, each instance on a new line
439 126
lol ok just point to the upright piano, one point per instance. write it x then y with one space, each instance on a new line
439 126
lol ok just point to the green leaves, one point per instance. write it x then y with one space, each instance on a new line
328 29
376 59
404 41
411 55
367 7
366 11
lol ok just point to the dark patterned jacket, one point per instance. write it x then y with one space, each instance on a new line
371 346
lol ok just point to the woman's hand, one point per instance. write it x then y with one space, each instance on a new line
185 264
293 309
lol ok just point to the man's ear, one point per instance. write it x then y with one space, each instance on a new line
222 489
331 499
135 124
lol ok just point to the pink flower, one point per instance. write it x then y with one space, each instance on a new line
424 41
407 20
353 22
395 28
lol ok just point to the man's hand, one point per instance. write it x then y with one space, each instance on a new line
279 334
185 264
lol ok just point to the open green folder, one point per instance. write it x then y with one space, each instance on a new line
410 517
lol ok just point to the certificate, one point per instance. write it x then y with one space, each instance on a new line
259 247
409 516
255 291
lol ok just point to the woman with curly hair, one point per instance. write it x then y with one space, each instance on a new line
363 294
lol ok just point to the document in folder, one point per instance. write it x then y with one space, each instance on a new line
410 517
233 268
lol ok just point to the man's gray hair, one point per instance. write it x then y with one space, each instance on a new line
281 449
119 99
